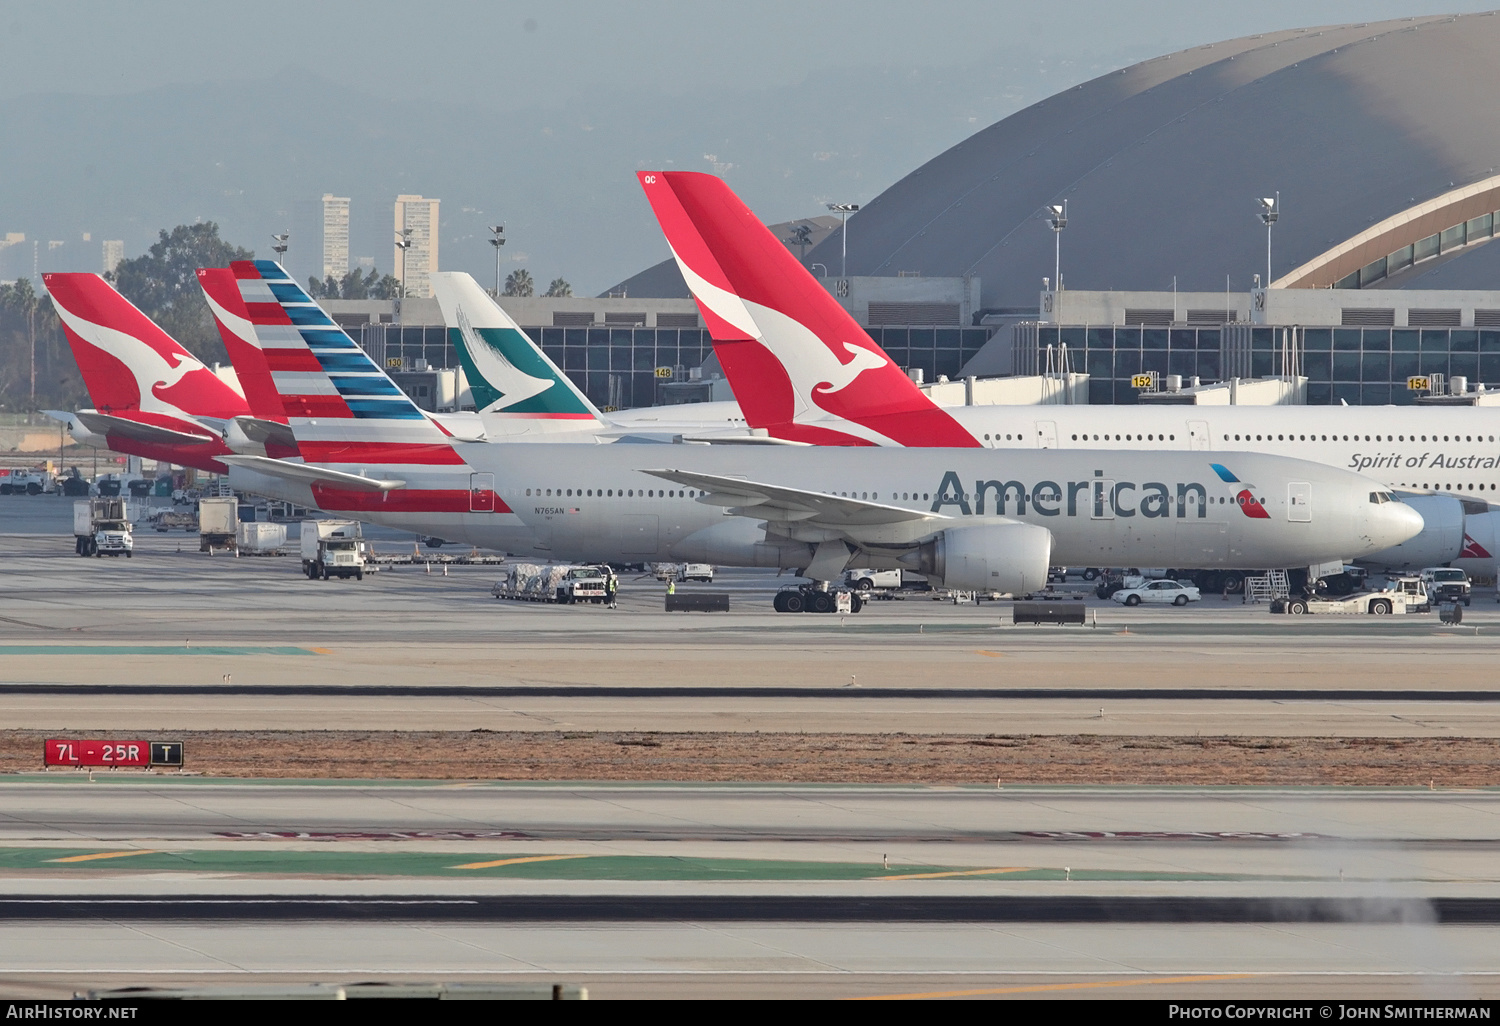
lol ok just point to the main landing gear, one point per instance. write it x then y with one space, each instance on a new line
817 597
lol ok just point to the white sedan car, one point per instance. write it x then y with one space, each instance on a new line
1171 592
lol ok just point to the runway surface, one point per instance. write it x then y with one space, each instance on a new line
722 890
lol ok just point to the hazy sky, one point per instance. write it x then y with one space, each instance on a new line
509 54
550 107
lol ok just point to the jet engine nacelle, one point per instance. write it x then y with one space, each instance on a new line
992 557
1441 540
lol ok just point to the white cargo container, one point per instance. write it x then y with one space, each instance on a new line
261 538
218 523
332 548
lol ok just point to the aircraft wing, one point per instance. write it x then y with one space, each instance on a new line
122 427
792 505
304 473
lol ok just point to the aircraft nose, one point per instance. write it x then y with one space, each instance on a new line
1392 523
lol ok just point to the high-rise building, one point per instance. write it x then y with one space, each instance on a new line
114 252
335 236
419 217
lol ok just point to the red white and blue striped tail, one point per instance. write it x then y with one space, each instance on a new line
342 407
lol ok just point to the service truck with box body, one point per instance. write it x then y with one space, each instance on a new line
218 522
102 527
332 548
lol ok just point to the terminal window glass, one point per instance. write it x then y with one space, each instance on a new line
1104 338
1154 338
1489 367
1319 394
1464 364
1317 366
1317 339
1376 367
893 337
947 362
1378 339
1434 363
1127 338
1073 338
1345 366
1208 340
1260 365
1406 340
1377 395
949 338
1434 340
1101 390
1346 338
1154 360
1183 338
1208 365
1100 364
924 337
1463 341
1184 363
1261 338
1127 362
598 358
1348 393
1125 395
1489 341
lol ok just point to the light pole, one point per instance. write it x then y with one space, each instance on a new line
497 239
1057 217
801 239
844 210
403 243
1270 210
280 248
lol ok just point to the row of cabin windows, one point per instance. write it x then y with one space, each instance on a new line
1367 438
623 493
1449 487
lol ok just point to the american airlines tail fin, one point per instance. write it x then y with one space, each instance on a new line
509 375
341 406
265 428
130 365
810 371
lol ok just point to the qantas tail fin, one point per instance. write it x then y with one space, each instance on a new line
806 365
341 406
510 376
128 363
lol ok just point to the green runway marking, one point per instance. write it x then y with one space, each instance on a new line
118 650
529 866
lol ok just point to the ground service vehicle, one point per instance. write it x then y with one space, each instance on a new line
565 584
26 482
331 548
1448 584
702 572
1166 592
102 527
1404 595
218 522
584 584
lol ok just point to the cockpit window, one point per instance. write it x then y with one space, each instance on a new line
1379 497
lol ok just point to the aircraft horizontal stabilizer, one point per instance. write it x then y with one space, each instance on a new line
121 427
736 440
304 473
263 431
781 504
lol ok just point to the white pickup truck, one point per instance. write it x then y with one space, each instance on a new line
1403 595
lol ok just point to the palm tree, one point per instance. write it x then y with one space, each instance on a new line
559 288
519 283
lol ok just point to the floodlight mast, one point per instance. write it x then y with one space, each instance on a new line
497 239
281 246
844 210
1057 218
1270 212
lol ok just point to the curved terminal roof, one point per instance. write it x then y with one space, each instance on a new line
1161 164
